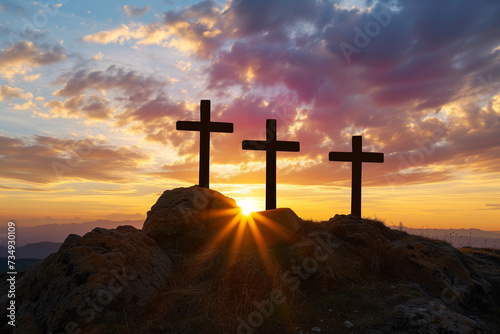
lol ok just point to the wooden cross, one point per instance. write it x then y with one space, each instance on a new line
271 146
357 157
205 126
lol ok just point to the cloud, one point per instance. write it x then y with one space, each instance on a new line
135 85
133 100
98 56
23 188
28 33
29 53
153 33
156 118
120 34
34 35
21 56
92 107
132 11
29 105
13 7
255 17
195 30
45 160
9 93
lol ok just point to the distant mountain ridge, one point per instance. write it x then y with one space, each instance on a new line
58 232
471 237
39 250
28 254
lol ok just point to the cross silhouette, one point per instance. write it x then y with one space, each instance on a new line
205 126
357 157
271 146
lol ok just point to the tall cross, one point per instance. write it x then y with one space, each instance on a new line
205 126
271 146
357 157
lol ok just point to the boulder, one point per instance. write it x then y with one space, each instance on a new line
103 275
422 316
359 246
437 266
367 236
370 248
183 218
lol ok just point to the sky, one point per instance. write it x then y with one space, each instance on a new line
90 93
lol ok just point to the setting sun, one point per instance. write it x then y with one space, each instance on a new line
247 207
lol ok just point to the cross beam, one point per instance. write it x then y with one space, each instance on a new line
271 146
204 126
357 157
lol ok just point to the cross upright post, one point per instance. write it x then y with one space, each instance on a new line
204 126
357 157
271 146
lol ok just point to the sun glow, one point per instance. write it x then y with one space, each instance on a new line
247 207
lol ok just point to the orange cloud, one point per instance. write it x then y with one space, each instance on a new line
144 34
16 59
195 30
9 93
94 107
45 160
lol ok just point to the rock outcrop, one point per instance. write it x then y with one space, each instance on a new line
91 281
373 249
182 219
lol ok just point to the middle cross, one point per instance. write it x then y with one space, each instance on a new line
271 146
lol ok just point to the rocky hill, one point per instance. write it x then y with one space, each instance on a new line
200 266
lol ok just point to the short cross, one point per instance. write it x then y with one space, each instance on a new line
357 157
205 126
271 146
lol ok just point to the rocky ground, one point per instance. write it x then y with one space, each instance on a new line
200 266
